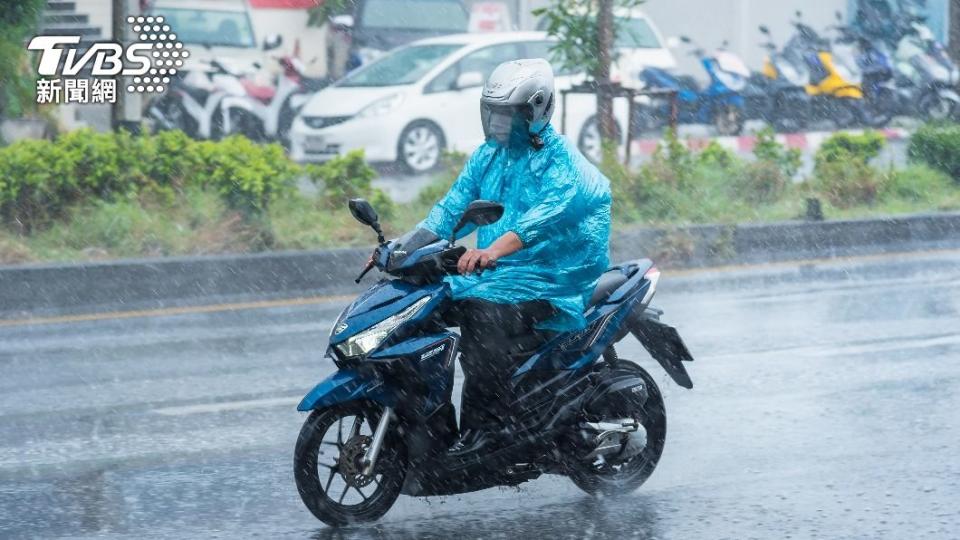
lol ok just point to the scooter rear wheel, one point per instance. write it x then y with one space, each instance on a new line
622 479
328 470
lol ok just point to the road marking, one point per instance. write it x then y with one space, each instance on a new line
204 408
186 310
263 304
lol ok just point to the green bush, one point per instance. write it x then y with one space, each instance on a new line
768 150
845 146
40 180
246 174
348 177
842 173
761 181
937 146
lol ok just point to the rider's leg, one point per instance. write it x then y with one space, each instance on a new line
492 335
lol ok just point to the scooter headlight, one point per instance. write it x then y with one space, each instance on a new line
371 338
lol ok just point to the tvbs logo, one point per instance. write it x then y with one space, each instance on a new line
151 61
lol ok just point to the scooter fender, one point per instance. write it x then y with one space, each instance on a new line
664 344
348 385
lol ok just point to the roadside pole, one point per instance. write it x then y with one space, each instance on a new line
119 12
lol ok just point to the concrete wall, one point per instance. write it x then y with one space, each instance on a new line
138 284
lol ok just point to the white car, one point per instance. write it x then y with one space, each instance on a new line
417 100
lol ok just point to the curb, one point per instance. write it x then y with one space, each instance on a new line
46 289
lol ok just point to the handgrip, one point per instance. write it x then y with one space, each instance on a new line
366 269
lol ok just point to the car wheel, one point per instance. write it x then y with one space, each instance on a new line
420 147
589 142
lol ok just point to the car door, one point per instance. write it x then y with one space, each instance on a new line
456 91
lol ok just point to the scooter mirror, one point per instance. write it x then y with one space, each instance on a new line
686 39
272 41
839 15
363 212
479 213
764 29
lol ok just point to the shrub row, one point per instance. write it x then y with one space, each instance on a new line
40 180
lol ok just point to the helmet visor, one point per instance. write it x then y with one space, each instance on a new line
500 121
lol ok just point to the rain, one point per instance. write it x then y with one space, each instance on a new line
394 269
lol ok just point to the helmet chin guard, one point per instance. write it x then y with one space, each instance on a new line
518 96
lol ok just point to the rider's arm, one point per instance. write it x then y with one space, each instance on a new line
554 207
466 189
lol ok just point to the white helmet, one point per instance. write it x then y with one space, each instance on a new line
519 91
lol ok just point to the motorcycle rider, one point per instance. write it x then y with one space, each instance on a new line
549 248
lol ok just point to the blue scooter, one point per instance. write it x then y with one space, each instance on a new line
382 425
719 103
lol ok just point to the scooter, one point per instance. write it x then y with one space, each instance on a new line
777 93
265 113
193 101
719 103
834 77
383 424
926 76
880 102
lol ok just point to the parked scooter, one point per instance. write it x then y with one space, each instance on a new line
834 76
777 93
265 112
876 74
719 103
382 425
192 102
926 76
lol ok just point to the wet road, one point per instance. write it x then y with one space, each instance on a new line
825 406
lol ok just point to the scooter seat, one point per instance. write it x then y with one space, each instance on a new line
610 281
258 92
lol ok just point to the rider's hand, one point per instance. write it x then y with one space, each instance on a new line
476 259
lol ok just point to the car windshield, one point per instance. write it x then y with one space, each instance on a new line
403 66
636 34
442 15
209 26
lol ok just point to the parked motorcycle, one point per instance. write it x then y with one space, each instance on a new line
777 93
719 103
382 425
266 112
926 76
833 75
192 102
876 74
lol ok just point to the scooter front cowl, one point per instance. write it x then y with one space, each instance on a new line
348 385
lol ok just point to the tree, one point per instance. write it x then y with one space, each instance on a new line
17 21
586 31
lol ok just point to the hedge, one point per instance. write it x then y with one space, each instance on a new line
937 146
40 180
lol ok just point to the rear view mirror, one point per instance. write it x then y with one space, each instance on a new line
273 41
839 15
363 212
479 213
342 22
469 79
764 29
686 39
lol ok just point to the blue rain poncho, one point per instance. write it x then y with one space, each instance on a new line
556 202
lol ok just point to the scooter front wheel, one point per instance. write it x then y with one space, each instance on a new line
328 465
